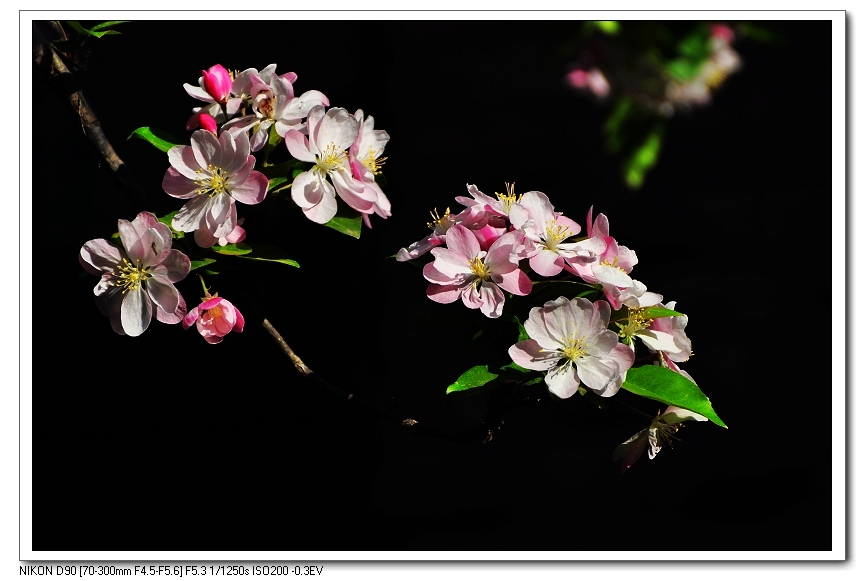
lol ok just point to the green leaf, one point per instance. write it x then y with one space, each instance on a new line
232 249
270 254
96 31
477 376
275 182
102 25
194 264
166 219
659 312
347 224
161 140
667 386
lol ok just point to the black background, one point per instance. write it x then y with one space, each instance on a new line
163 442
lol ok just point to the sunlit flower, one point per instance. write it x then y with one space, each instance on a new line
365 157
205 239
463 270
273 104
214 318
660 433
138 278
546 232
569 340
213 173
315 190
214 87
471 218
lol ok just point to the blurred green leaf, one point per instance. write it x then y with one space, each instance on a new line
667 386
96 31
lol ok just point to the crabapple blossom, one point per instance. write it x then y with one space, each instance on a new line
569 340
611 268
214 318
463 270
214 87
273 104
138 278
660 432
205 239
213 173
365 158
331 134
471 218
545 232
498 207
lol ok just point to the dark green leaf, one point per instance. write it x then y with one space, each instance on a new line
667 386
166 219
275 182
161 140
102 25
232 249
270 254
477 376
194 264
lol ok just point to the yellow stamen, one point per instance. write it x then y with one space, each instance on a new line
636 323
212 184
574 347
509 198
372 163
331 159
130 277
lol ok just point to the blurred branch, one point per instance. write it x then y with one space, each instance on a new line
67 87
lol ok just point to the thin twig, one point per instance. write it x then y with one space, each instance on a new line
66 85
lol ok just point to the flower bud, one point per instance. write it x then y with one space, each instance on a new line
207 122
217 82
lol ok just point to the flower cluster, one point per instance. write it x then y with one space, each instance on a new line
256 108
496 245
706 59
331 153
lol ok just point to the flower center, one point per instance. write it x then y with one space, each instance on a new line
574 347
130 277
372 163
212 184
555 234
636 323
440 225
479 269
606 262
508 199
265 107
666 432
331 159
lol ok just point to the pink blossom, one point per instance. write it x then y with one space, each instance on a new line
273 105
463 270
207 122
545 232
217 82
138 278
365 156
569 340
611 267
331 133
214 87
214 318
213 173
471 218
205 239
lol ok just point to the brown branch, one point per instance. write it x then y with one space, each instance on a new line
65 84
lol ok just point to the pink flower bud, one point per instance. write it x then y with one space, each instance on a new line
217 82
722 31
207 122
